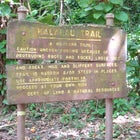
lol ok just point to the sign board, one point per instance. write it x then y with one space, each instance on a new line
27 40
95 67
61 82
96 58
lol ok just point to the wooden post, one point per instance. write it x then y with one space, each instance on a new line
109 19
22 11
21 122
109 102
109 119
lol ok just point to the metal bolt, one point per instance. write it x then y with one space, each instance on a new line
112 84
32 42
23 33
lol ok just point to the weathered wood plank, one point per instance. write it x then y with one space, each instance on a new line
27 40
61 82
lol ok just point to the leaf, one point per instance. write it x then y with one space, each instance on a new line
100 21
108 7
84 14
97 15
47 19
99 7
83 3
31 19
119 2
136 80
126 8
135 46
129 69
2 76
88 8
5 9
122 16
2 44
2 47
73 110
3 31
5 102
34 12
138 108
3 50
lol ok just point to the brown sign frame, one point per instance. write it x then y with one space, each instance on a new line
27 40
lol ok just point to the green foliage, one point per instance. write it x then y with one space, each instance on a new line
121 16
72 117
8 109
2 74
44 11
134 12
134 100
47 19
117 131
133 63
94 11
5 9
66 118
6 12
2 47
78 11
121 107
94 108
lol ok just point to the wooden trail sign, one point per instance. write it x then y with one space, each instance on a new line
99 72
63 82
27 40
102 76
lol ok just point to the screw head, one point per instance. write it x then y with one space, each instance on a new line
23 33
112 83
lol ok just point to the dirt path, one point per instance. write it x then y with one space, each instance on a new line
125 128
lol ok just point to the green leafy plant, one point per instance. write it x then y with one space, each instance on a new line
133 63
6 12
78 124
121 107
66 119
44 11
94 108
5 9
117 131
94 12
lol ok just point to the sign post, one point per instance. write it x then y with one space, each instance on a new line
22 11
95 67
109 102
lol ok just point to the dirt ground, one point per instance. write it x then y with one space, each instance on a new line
125 127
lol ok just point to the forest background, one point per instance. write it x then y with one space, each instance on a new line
127 16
